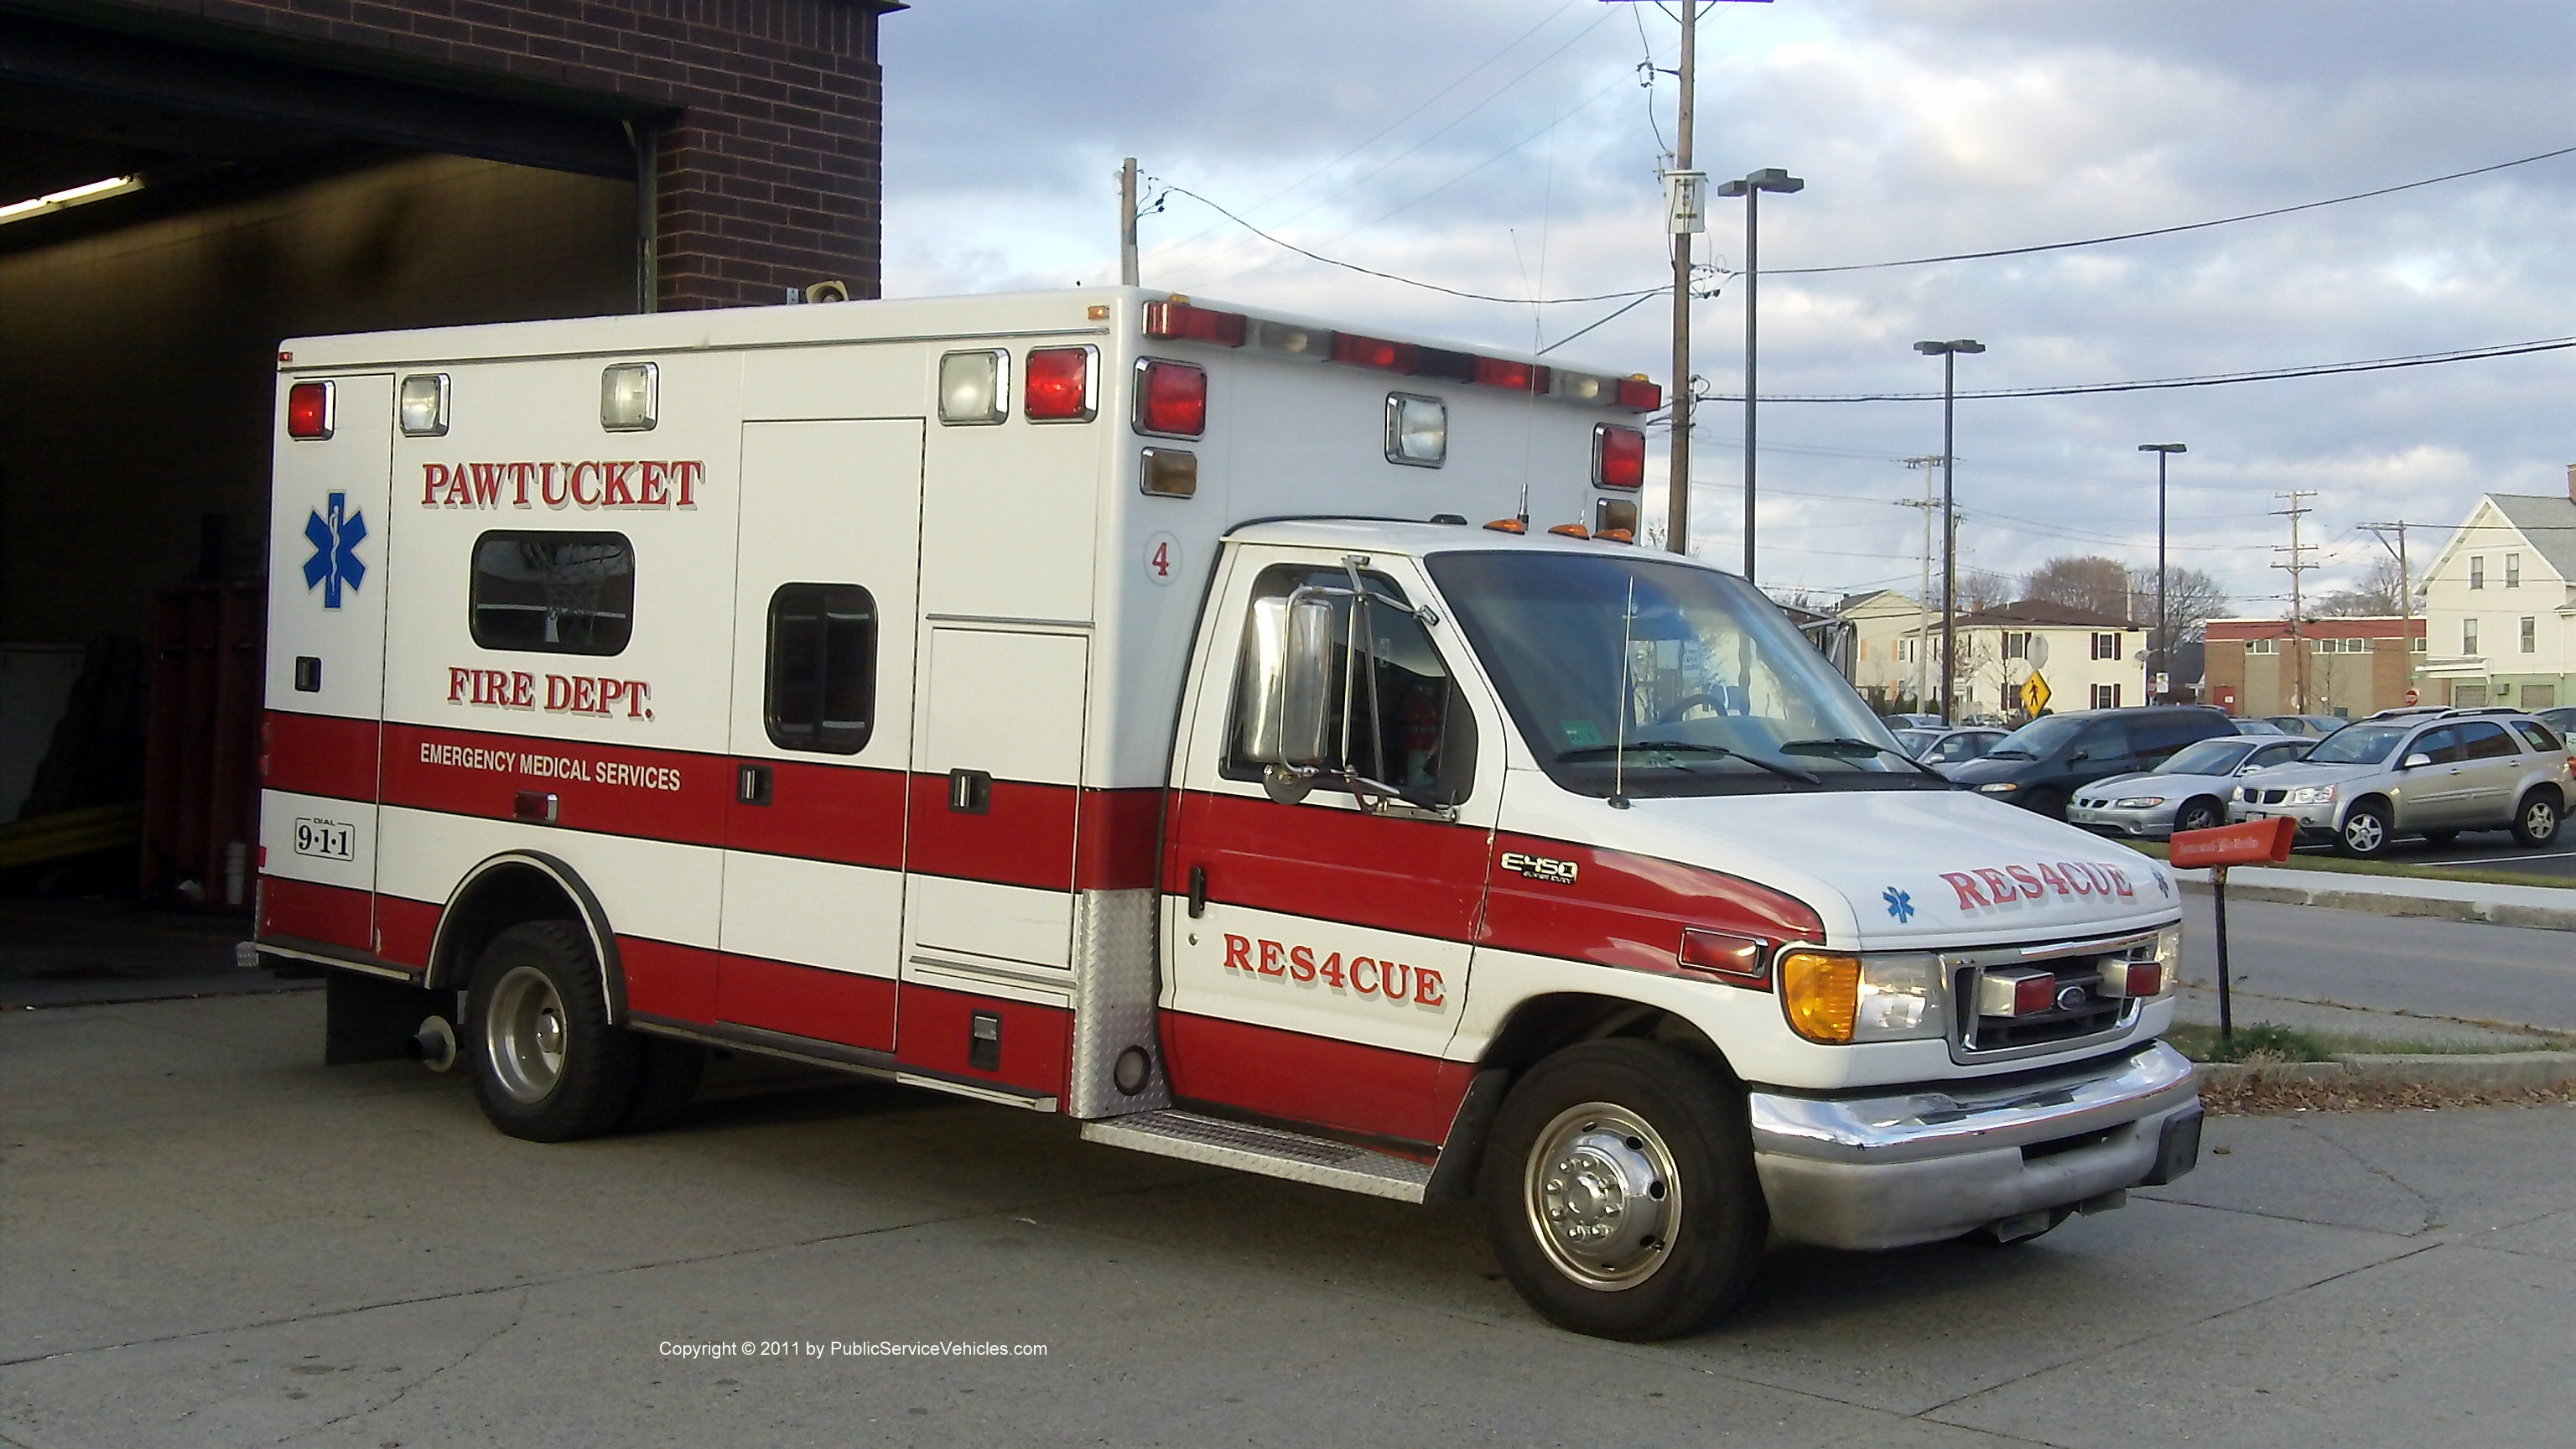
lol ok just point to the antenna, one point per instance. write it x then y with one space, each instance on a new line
1627 698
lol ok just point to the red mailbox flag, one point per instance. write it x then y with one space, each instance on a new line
2251 843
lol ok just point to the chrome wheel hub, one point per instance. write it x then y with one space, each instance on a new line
1602 1196
523 1034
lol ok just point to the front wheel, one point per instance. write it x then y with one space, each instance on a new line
548 1066
2365 832
2535 820
2200 814
1619 1191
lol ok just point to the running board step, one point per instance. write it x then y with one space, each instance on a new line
1266 1150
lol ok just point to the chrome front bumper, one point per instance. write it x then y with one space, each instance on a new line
1882 1172
2313 819
2154 821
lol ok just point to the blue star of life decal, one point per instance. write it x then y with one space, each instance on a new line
335 540
2163 887
1900 904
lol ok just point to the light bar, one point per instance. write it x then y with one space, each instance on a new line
69 196
1178 319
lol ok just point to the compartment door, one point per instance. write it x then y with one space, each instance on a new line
330 524
827 566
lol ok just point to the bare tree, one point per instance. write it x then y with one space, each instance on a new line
1981 589
2192 599
2087 581
2376 596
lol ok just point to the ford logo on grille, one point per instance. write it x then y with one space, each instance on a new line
2070 998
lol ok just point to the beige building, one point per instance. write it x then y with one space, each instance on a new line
2500 605
1887 667
2084 660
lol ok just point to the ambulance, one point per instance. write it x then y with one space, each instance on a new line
1263 742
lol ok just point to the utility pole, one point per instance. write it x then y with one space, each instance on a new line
2298 564
1923 595
2405 589
1127 272
1677 499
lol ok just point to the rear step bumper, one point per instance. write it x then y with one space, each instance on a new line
1319 1160
1883 1172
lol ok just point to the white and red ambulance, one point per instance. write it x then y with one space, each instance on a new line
1258 740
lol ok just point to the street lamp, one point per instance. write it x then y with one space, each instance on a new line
1773 179
2164 640
1948 352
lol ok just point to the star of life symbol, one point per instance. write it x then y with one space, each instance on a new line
335 540
2163 887
1900 904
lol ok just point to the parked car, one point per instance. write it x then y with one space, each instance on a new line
1916 722
2260 727
1948 747
2315 726
2191 791
2042 764
2430 772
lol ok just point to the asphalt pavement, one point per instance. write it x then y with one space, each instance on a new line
2423 967
213 1240
2481 850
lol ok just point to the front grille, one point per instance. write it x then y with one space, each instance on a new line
2095 1014
2270 797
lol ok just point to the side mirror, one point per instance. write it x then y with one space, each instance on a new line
1306 682
2079 757
2415 761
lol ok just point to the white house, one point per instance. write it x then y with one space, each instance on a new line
2500 605
1888 667
2085 660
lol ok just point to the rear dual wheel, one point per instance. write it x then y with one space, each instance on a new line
548 1065
1619 1191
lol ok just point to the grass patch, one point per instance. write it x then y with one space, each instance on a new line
2271 1042
2344 865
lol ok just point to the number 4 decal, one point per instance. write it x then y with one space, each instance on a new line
1162 558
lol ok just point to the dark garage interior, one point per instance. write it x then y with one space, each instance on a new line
183 185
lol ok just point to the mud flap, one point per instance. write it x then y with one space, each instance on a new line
372 1019
2178 1149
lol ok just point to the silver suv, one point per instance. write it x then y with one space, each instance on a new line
2428 772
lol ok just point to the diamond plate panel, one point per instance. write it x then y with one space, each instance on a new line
1115 988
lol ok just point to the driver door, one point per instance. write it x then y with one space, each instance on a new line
1318 950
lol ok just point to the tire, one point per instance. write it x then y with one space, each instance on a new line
2198 813
1657 1139
2365 832
2536 819
2051 803
666 1081
547 1065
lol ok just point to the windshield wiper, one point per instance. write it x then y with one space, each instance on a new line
1780 768
1827 746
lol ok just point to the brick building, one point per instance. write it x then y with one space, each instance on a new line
2354 666
185 182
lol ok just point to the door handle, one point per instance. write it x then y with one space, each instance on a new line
1198 891
752 785
970 792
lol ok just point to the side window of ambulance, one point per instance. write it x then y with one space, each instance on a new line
557 593
821 673
1425 741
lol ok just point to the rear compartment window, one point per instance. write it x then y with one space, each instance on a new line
822 668
557 593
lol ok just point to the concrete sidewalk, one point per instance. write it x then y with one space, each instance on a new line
2547 908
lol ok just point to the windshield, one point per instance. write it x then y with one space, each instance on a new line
2040 738
1660 678
2357 745
2209 757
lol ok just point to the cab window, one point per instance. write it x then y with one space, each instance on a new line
1425 741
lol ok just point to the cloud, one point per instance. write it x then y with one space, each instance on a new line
1508 147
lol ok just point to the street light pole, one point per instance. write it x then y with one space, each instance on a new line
2164 634
1948 352
1769 178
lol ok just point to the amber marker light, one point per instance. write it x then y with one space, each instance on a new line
1820 994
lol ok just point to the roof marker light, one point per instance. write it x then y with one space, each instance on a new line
1314 343
1618 456
1528 377
1374 352
1171 398
1177 319
1571 530
308 411
1638 393
1508 525
1061 385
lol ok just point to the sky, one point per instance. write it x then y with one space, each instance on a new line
1509 147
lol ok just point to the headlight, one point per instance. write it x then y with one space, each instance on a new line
1999 787
1839 999
2169 956
2312 795
2141 802
2238 793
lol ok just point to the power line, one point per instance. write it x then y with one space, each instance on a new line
2215 379
2171 230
